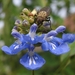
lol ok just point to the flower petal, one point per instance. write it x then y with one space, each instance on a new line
60 29
32 63
45 46
14 48
58 50
57 46
36 39
33 28
51 33
18 36
32 32
56 40
68 37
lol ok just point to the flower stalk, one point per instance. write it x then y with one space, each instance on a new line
32 72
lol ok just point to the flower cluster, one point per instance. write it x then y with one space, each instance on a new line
49 42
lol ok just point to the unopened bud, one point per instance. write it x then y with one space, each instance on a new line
25 22
15 27
17 22
31 19
26 11
23 16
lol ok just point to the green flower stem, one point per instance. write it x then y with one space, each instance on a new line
32 72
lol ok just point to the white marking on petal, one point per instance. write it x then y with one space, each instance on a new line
53 45
48 38
32 35
16 47
30 61
34 62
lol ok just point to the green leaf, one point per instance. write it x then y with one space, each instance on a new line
72 49
70 53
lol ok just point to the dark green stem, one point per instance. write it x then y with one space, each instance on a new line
32 72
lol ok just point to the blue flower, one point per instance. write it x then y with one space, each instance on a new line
55 45
47 37
14 48
17 46
32 60
49 42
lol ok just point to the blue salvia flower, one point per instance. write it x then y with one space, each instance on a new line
17 46
54 45
47 37
30 60
49 41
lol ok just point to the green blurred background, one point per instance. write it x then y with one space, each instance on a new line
62 12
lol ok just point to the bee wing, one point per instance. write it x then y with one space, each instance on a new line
46 9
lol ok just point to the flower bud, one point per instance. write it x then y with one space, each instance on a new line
23 16
26 11
31 19
25 23
17 22
15 27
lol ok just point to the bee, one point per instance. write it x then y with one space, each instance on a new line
43 15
